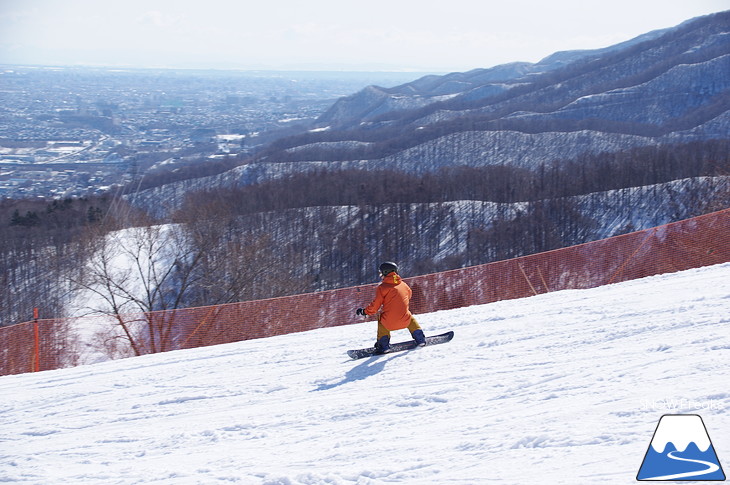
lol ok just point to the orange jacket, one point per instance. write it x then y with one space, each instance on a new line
394 295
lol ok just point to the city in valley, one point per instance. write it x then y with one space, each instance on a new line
72 131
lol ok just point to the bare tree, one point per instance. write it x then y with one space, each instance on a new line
131 273
141 276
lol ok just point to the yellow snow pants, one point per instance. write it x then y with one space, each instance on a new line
412 327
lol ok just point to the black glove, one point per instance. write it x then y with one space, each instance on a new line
361 311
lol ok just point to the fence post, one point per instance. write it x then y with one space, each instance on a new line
37 342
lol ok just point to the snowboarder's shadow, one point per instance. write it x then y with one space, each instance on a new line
371 366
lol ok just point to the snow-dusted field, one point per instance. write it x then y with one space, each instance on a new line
565 387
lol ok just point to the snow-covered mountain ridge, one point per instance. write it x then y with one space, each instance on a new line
561 388
652 65
374 101
666 87
657 105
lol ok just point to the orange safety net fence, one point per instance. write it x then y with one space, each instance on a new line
692 243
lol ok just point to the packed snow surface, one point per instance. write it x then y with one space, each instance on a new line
566 387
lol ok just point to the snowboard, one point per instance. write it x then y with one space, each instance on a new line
410 344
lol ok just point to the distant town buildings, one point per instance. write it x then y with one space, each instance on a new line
74 131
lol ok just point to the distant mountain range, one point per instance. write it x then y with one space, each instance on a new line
478 84
666 86
585 115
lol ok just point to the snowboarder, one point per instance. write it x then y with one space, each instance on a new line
394 296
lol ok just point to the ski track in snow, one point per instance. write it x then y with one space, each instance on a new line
559 388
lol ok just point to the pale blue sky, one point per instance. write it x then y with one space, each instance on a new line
420 35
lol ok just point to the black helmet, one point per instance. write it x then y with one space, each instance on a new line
387 268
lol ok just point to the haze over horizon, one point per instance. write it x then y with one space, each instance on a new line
382 35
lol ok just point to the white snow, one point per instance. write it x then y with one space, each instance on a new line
566 387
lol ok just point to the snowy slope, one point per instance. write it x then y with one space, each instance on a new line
560 388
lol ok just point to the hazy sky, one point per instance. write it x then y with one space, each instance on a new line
421 35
